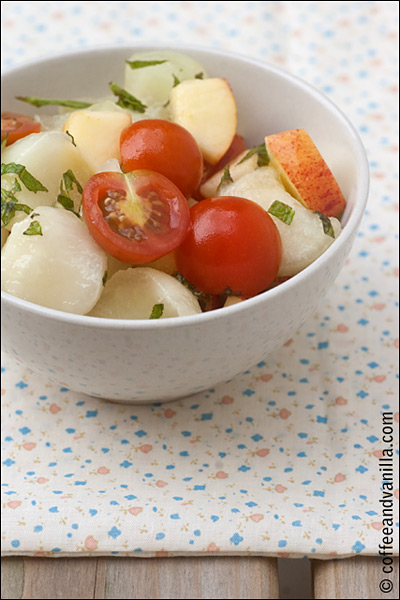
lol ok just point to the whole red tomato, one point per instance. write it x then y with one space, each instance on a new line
233 244
164 147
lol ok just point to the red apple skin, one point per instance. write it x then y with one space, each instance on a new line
304 172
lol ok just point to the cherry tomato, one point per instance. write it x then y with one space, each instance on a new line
164 147
17 126
137 217
233 243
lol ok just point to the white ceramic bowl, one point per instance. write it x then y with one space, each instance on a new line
144 361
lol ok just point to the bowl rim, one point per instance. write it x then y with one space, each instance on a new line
348 230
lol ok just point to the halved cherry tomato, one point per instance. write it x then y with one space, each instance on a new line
164 147
233 244
137 217
15 126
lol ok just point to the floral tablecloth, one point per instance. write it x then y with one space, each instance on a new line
294 457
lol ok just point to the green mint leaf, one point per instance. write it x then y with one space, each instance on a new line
157 311
67 203
4 143
282 211
29 181
126 100
203 299
10 204
75 104
140 64
72 138
261 151
226 178
176 80
326 224
199 75
70 179
34 228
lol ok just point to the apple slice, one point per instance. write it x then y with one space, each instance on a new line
237 169
304 173
207 109
97 133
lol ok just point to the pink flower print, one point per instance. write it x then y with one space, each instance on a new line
396 493
161 484
169 413
212 547
161 553
280 488
379 306
90 543
342 328
135 510
266 377
284 413
221 475
54 408
283 554
379 378
146 448
29 445
42 479
396 417
103 470
14 503
377 525
290 341
378 453
262 452
227 400
341 401
339 477
256 518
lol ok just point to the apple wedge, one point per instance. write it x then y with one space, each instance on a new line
207 109
304 173
237 169
97 133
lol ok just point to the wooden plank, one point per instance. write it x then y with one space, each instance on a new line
48 578
12 577
180 577
358 577
197 577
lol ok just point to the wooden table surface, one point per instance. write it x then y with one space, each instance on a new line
186 577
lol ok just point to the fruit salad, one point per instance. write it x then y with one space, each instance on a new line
148 203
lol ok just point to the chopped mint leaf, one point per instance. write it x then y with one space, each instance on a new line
203 299
10 204
199 75
176 80
70 179
75 104
66 185
29 181
126 100
157 311
326 223
4 143
226 178
72 138
140 64
34 228
261 151
282 211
